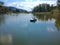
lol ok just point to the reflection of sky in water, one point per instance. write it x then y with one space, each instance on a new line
25 32
22 22
50 29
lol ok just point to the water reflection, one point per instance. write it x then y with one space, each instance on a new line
44 31
57 23
50 29
44 17
41 17
6 39
2 19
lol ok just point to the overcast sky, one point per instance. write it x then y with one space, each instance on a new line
27 4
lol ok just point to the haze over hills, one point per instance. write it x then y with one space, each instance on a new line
6 9
27 4
16 9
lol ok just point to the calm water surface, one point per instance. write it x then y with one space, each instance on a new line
16 29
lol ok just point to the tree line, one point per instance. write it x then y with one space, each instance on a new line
43 8
58 5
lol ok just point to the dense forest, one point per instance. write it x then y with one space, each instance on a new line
58 5
44 8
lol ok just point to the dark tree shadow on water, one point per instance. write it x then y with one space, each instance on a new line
57 22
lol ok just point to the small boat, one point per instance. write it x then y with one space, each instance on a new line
33 20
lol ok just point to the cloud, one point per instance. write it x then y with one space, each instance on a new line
20 5
29 4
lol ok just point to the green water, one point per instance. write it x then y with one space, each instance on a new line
44 31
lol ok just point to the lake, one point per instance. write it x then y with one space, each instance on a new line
17 29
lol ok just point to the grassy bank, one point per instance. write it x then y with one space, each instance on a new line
42 13
53 12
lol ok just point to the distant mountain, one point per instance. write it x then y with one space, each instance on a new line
16 9
5 9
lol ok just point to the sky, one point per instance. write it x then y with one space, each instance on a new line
27 4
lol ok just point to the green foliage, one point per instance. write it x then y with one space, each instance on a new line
58 5
1 3
43 8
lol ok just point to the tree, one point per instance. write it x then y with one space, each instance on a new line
1 3
41 8
52 7
58 5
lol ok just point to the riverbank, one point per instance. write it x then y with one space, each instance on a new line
53 12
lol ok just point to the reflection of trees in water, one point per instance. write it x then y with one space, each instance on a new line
39 17
49 17
2 19
43 17
57 23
